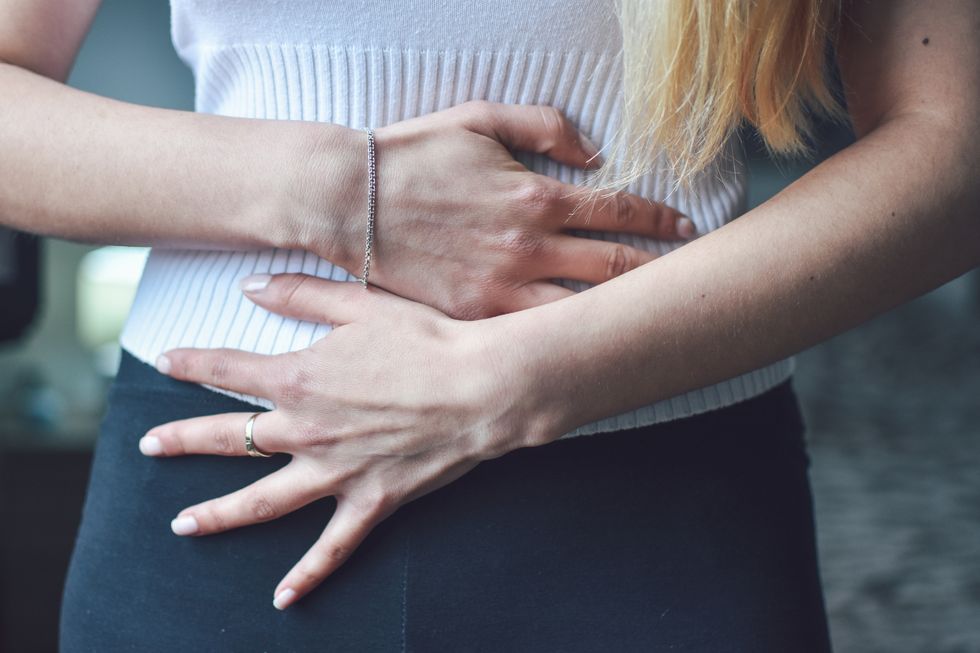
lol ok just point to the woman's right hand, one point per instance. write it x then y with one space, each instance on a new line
465 228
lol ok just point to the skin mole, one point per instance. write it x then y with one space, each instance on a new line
925 41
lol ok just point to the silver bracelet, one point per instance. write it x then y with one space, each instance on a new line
372 194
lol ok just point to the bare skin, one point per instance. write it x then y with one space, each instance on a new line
80 166
883 221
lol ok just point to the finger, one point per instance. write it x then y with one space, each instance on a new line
280 493
306 297
623 212
591 260
347 529
219 435
535 128
535 294
230 369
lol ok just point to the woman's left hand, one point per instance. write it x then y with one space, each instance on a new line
396 401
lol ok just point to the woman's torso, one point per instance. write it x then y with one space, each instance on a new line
362 64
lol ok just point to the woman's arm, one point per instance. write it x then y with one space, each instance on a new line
80 166
85 167
888 218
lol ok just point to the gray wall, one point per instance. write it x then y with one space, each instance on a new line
127 56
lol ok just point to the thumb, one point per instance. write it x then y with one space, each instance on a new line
535 128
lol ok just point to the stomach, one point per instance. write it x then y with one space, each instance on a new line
190 298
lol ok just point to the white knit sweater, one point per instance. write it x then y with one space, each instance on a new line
370 63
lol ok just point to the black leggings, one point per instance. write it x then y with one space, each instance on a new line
694 535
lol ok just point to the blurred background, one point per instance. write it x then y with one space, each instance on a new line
892 408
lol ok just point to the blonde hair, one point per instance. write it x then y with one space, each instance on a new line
694 70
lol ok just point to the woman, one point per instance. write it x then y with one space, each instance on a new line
460 512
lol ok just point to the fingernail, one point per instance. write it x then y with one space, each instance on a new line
686 228
150 445
284 598
255 282
587 146
163 364
184 525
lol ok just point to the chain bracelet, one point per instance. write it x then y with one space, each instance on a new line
372 196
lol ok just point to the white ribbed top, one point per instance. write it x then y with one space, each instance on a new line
371 63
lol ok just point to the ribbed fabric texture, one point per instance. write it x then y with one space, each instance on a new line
314 61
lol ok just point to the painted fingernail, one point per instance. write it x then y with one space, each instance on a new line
150 445
163 364
184 525
255 282
686 228
284 598
587 145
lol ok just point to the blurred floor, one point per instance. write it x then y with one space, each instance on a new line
894 415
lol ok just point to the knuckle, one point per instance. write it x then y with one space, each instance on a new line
625 212
213 517
290 285
322 559
172 440
618 261
663 218
554 122
336 552
219 369
520 244
312 570
536 195
222 441
261 508
294 386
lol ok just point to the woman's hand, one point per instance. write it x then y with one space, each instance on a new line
464 227
396 401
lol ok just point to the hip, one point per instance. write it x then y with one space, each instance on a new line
695 532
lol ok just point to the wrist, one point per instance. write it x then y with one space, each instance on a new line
325 202
534 402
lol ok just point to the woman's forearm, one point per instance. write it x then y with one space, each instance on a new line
84 167
881 222
79 166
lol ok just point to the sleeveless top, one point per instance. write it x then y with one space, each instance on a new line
361 63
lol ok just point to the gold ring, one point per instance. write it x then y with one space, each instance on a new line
249 443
